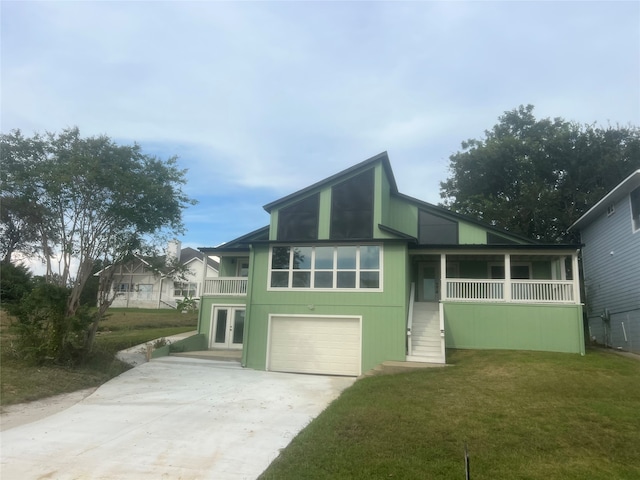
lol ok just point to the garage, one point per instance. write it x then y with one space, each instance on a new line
314 344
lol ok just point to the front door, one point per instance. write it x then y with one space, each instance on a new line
428 282
227 327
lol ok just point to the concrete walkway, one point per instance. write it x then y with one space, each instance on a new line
171 418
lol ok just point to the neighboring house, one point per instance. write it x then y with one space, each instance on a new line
350 273
610 232
137 284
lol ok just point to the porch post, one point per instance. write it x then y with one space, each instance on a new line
205 268
507 277
576 277
443 276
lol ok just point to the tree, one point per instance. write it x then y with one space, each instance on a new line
536 177
94 201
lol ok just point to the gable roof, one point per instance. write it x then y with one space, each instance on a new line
381 157
186 255
623 189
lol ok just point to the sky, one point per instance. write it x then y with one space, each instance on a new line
261 99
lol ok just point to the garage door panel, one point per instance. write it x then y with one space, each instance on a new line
327 345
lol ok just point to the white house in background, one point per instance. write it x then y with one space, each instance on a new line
137 285
610 232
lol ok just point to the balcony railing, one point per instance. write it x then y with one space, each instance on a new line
225 286
524 291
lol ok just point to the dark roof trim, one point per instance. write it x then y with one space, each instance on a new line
503 247
397 233
381 157
238 244
446 213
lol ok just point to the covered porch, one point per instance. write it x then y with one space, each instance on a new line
515 298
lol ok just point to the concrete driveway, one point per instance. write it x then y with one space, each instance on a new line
173 418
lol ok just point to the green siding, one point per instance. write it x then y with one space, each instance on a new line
554 328
469 234
324 216
541 270
228 267
383 313
403 217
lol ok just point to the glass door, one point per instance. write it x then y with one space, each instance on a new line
428 282
227 327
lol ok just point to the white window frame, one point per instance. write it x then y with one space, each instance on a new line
335 269
635 221
185 286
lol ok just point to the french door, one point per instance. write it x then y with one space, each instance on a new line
227 327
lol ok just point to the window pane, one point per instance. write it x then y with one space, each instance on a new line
346 279
324 258
323 280
238 326
301 279
369 280
346 258
520 271
221 327
302 258
370 257
280 258
279 279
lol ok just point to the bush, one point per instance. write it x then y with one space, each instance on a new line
44 332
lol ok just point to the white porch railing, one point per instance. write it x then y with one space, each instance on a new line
556 291
523 291
227 286
464 289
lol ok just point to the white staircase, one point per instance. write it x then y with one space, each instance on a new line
426 341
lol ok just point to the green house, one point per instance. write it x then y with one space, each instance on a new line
350 273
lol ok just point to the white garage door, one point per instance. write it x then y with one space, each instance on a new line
307 344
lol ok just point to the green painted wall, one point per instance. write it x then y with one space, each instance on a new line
383 313
554 328
403 217
469 234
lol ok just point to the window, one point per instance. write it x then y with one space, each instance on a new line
184 289
435 230
300 220
243 269
124 288
352 208
326 267
635 209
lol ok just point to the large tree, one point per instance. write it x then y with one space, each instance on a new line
536 177
88 199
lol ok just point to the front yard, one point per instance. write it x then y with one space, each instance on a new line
123 328
522 415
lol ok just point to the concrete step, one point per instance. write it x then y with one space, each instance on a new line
428 359
393 367
219 355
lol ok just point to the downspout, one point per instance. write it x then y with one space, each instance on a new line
205 268
576 295
247 315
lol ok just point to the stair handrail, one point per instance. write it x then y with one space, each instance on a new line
412 295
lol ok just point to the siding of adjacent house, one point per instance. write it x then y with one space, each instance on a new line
383 313
611 257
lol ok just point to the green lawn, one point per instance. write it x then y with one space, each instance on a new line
522 415
123 328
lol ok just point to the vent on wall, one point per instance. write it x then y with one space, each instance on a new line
611 210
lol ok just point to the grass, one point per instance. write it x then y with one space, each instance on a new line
123 328
522 415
